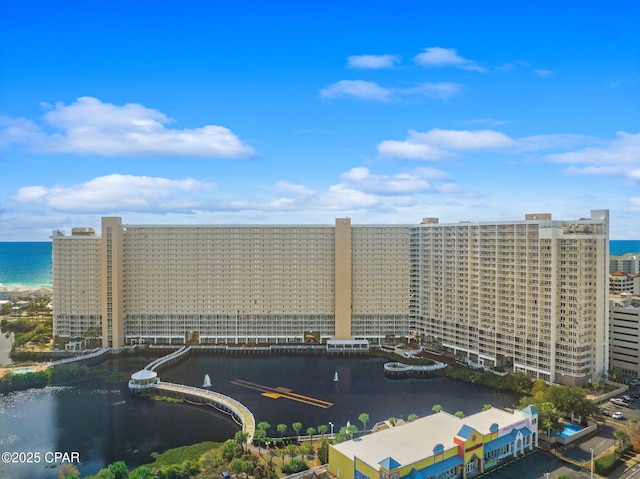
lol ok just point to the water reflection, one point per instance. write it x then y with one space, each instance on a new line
104 423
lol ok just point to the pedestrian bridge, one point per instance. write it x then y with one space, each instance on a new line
146 380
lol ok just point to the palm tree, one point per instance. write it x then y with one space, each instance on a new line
486 407
241 438
364 419
296 427
412 417
310 432
436 408
264 425
322 429
392 421
459 414
282 428
351 430
258 436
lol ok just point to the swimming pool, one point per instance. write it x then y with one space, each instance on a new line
23 371
569 430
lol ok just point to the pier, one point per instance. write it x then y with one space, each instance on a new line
147 380
239 412
397 369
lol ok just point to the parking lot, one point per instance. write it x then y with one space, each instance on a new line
542 464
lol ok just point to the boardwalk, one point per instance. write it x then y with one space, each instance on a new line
222 403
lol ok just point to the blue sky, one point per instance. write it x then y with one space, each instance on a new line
301 112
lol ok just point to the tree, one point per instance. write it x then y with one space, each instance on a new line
230 450
364 419
142 472
292 450
119 470
258 437
282 453
539 385
264 426
68 471
296 427
436 408
623 441
486 407
310 432
392 421
351 430
323 451
412 417
241 438
282 428
322 429
459 414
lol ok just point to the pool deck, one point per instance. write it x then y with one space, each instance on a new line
35 367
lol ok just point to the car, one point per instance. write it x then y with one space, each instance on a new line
620 402
627 398
606 412
634 382
617 415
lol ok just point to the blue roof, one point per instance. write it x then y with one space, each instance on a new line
530 410
435 469
525 431
501 441
414 474
466 431
389 463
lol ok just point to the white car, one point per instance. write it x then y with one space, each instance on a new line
617 415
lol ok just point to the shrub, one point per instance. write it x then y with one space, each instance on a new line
605 464
295 465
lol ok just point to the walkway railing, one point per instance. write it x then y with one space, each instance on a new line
222 403
82 357
156 363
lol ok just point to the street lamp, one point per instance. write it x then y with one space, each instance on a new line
591 449
331 424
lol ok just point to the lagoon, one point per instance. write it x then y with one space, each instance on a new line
104 423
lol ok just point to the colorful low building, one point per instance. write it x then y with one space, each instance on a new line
440 446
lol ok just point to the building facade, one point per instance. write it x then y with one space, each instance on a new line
440 446
624 336
524 295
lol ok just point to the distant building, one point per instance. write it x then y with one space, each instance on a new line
627 263
620 283
624 335
526 296
438 446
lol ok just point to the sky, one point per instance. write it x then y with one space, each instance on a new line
283 112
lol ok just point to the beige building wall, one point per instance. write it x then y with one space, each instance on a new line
624 336
76 299
380 282
343 283
112 283
524 295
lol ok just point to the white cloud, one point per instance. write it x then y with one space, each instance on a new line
446 57
402 183
373 62
623 150
359 89
364 90
285 186
438 144
116 192
89 126
544 73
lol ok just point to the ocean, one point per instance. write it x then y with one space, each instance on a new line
25 264
29 263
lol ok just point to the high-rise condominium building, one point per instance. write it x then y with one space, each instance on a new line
524 295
